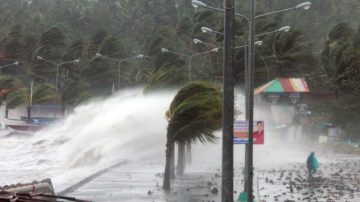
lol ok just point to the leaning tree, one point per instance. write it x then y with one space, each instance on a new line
194 114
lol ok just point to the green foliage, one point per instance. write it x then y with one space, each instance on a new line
8 84
76 93
14 99
41 93
341 60
195 113
112 47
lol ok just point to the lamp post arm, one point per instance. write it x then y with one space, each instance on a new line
8 65
177 53
275 12
49 61
266 33
68 62
196 54
109 58
125 59
237 47
236 36
222 10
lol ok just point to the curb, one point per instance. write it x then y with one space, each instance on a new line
88 179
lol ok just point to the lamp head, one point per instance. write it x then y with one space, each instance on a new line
77 61
140 56
196 4
258 43
305 5
39 58
16 63
98 55
197 41
214 50
206 29
284 29
164 50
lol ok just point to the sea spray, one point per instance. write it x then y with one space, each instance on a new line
127 125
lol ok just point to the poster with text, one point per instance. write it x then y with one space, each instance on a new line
241 132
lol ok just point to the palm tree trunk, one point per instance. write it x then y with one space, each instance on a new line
188 153
28 112
166 182
172 161
6 112
180 161
63 109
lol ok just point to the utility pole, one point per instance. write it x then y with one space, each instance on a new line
250 103
228 104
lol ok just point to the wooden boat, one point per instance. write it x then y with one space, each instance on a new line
42 116
23 124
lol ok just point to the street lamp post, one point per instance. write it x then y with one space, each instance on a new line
57 74
57 69
190 57
228 104
249 73
119 63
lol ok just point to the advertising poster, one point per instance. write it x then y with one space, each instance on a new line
241 132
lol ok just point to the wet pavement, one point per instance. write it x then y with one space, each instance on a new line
337 180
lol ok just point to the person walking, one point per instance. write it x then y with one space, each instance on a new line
312 164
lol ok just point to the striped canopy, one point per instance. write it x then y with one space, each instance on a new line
284 85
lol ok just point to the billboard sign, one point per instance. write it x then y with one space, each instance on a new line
241 132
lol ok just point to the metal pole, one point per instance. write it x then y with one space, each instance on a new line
56 79
246 75
190 60
250 171
119 74
31 92
228 104
56 87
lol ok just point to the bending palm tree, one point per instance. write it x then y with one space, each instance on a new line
41 93
7 85
194 114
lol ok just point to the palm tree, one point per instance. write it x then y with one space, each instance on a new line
75 92
194 114
51 46
41 93
7 85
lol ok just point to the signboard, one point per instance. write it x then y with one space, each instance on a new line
241 132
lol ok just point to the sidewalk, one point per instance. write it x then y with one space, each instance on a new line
143 183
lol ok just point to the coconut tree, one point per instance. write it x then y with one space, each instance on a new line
194 114
41 93
75 93
7 85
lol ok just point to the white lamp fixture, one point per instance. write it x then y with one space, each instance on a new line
305 5
206 29
284 29
197 41
258 43
164 50
196 4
